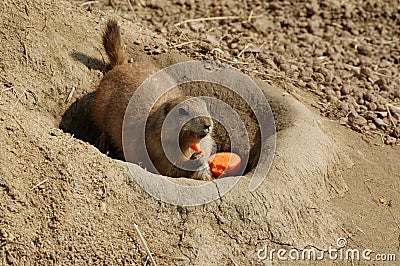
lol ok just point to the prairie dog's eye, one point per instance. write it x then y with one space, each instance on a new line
182 111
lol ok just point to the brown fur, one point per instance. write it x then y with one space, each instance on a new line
112 43
112 98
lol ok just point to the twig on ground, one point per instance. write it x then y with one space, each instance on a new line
250 16
244 50
40 183
19 99
145 245
390 115
142 3
19 124
170 257
181 44
205 19
130 5
89 3
6 89
233 62
382 138
234 262
71 93
394 106
25 52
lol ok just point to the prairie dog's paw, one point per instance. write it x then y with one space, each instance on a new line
199 155
203 174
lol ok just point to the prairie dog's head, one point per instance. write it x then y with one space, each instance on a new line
189 118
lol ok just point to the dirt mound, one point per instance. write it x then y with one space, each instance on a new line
63 202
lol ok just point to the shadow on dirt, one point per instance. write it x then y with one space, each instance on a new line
90 62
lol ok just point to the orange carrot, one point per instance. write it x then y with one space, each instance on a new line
224 164
196 147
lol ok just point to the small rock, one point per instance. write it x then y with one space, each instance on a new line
233 45
329 92
344 107
313 26
268 61
362 50
365 71
301 83
279 60
318 77
312 85
346 89
372 106
343 120
331 98
384 63
358 94
196 25
264 24
361 121
380 123
369 96
383 201
212 39
380 83
394 111
372 126
285 67
330 51
390 140
370 115
397 93
396 132
274 6
381 114
312 7
352 116
381 107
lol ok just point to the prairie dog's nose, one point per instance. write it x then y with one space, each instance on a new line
207 129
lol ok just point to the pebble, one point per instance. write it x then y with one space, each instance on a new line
331 99
365 71
396 132
362 50
380 123
372 106
346 89
372 126
370 115
390 140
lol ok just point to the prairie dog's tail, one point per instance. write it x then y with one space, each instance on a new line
112 43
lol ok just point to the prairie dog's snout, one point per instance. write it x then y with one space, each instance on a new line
199 127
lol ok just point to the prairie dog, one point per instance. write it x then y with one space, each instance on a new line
111 101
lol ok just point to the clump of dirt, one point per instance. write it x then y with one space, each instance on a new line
345 53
